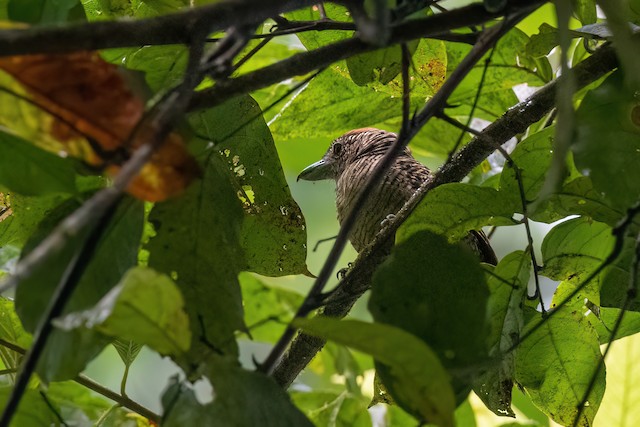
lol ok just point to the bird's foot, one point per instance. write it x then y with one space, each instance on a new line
343 271
387 221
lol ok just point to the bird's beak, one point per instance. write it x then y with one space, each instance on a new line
318 171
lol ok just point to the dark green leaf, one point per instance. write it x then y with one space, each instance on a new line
427 283
415 375
32 411
30 171
555 365
197 244
26 214
145 307
41 11
541 44
242 399
273 233
508 287
585 11
608 139
454 209
117 251
76 401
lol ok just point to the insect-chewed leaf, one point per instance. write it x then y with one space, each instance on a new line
91 98
555 365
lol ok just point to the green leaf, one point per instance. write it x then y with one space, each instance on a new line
267 309
197 245
533 158
11 331
273 234
509 67
577 197
31 171
508 286
415 375
314 39
556 363
43 11
145 307
454 209
449 289
26 214
328 409
128 350
234 389
541 44
585 11
379 70
608 121
64 356
32 411
618 407
273 231
571 251
76 401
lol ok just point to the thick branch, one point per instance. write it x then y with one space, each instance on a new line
175 28
303 63
358 280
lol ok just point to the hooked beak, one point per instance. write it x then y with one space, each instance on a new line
318 171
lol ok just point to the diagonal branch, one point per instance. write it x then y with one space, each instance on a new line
513 122
438 102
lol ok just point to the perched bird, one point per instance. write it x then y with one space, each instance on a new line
350 160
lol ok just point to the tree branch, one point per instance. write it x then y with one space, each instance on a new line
176 28
434 26
358 279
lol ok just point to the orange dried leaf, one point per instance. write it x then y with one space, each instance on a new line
90 97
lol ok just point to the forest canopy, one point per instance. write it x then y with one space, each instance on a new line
150 217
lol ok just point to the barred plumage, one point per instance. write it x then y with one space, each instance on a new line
351 159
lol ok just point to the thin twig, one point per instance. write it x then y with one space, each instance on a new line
98 388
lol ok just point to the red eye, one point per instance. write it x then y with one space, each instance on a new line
337 148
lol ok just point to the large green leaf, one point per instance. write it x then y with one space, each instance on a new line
314 39
242 399
414 376
555 365
67 353
145 307
273 233
454 209
619 407
427 283
43 11
508 287
197 244
29 170
608 141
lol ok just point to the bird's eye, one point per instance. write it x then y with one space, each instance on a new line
337 148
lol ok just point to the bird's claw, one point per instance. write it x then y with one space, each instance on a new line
342 273
387 221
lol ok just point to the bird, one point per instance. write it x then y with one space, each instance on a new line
351 159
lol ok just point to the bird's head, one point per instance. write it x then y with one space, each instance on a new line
348 149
